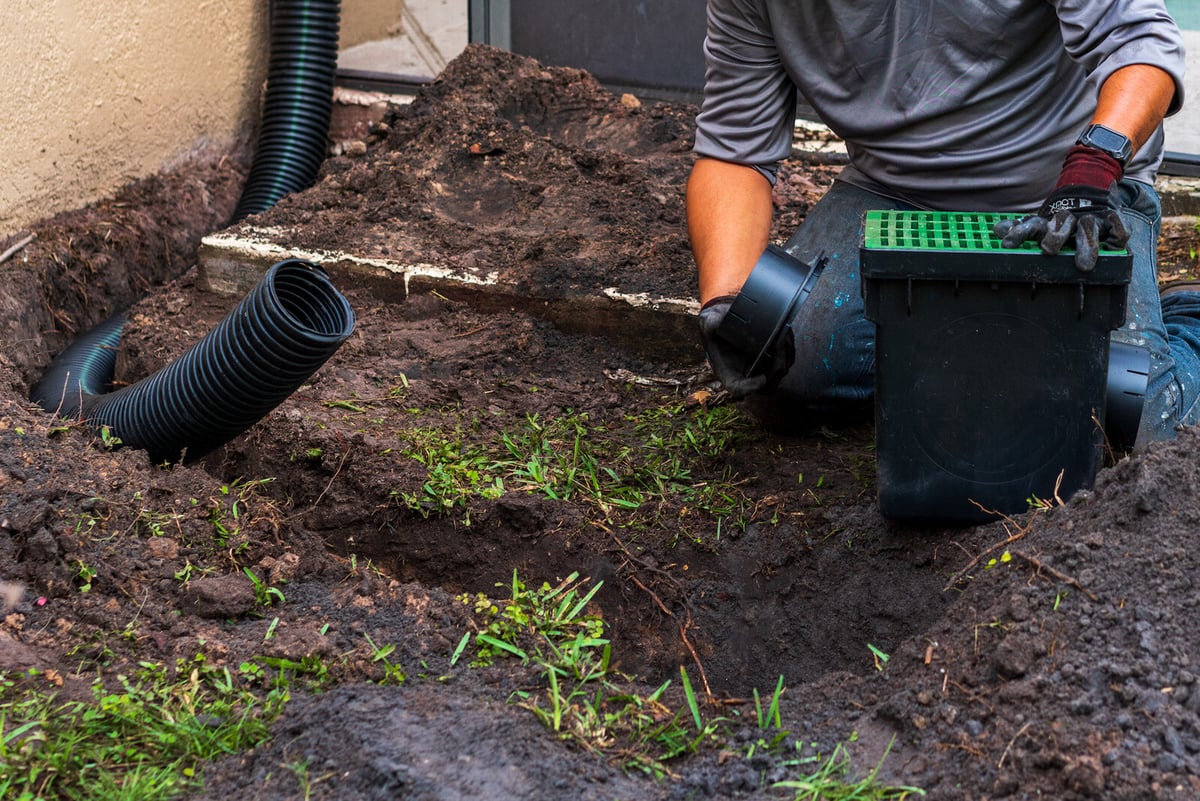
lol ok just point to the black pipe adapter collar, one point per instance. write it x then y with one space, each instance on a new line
767 304
1128 377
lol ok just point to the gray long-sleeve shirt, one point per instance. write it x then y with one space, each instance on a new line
947 104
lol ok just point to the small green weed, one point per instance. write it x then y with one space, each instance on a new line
769 720
264 593
84 575
380 655
100 647
830 781
109 440
454 477
157 524
228 508
190 571
881 657
533 621
311 670
583 699
305 779
1004 558
91 523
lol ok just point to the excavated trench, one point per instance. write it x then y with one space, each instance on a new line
797 599
806 579
802 581
775 600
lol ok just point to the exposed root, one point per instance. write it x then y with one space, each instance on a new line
1008 748
962 574
1018 532
1041 566
683 625
12 251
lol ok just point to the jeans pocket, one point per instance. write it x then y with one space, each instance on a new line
1139 200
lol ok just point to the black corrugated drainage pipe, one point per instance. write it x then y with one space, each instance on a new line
270 344
293 138
281 333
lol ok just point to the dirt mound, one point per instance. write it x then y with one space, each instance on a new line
1045 656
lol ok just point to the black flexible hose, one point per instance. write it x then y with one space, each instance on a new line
264 349
292 141
85 368
280 334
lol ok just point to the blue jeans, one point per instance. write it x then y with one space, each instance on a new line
835 343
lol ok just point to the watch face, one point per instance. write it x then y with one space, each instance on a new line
1107 140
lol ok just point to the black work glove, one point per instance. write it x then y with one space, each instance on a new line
1082 211
731 364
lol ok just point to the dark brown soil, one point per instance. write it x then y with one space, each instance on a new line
1062 672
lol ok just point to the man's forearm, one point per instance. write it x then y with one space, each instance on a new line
1133 101
729 221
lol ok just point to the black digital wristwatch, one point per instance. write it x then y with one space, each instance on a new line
1106 140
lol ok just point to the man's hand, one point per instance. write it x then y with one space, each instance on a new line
1081 211
731 364
1080 215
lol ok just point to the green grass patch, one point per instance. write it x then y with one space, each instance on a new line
629 471
144 740
582 697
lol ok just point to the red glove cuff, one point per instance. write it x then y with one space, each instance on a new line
1089 166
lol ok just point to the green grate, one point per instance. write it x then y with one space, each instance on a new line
939 230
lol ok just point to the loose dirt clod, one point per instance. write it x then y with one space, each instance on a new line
364 512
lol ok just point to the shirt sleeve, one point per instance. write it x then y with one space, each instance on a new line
749 107
1106 35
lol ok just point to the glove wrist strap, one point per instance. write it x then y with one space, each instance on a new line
1076 198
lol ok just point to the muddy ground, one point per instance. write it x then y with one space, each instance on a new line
1061 671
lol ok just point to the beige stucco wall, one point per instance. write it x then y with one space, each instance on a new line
100 92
